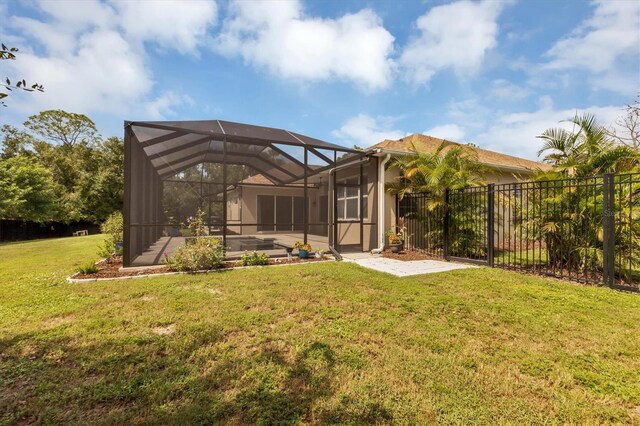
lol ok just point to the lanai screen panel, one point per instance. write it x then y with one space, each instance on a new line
175 168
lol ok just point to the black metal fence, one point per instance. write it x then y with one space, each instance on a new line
580 229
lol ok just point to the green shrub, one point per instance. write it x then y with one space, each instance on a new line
87 268
113 229
205 253
254 259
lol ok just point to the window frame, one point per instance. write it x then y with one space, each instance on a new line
342 194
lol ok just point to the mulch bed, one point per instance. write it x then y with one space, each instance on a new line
110 268
407 255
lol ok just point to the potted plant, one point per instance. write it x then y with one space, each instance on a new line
303 249
397 236
395 242
320 253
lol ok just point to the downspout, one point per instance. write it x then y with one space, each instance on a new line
381 198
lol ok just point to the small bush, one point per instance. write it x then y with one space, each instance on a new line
254 259
205 253
88 268
196 224
113 228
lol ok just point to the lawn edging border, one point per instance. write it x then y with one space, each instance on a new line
73 280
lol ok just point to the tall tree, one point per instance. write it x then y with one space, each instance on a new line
63 128
100 186
15 142
86 171
26 190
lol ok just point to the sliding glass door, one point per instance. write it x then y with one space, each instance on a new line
280 213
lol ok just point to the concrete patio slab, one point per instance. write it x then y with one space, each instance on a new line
401 268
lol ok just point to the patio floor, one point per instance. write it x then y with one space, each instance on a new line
401 268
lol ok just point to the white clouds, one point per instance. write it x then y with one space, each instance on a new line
164 105
455 36
93 58
102 73
364 130
611 32
174 25
78 16
504 90
281 38
515 133
451 132
599 45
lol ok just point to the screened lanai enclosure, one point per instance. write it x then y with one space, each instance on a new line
258 188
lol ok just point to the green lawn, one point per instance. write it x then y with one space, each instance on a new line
323 343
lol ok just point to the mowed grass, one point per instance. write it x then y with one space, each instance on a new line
312 344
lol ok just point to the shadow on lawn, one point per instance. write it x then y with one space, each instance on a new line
157 380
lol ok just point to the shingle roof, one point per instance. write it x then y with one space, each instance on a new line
492 159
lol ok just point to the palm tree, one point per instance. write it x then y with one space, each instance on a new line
569 215
587 150
450 166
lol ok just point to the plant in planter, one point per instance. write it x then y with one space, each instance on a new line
303 249
254 259
87 268
320 253
395 243
397 236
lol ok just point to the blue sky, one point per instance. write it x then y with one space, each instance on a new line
494 73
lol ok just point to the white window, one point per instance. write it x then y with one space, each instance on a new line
348 197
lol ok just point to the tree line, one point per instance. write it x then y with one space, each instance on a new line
57 167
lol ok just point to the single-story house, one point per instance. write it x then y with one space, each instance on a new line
263 188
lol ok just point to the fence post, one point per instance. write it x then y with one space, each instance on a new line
608 229
490 222
446 224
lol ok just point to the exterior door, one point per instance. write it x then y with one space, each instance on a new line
266 213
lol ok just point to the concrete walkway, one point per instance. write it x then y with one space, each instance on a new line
401 268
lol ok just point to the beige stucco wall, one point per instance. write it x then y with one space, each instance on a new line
246 210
